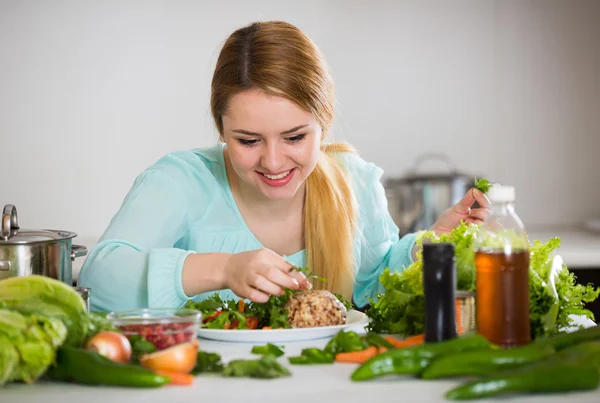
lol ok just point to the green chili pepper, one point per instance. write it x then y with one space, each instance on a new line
374 339
313 356
88 367
482 362
564 340
412 360
271 349
574 369
345 342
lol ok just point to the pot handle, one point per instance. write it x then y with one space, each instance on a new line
9 221
5 233
433 156
78 251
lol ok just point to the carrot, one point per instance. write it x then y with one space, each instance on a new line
381 349
459 324
409 341
267 328
177 378
241 305
357 357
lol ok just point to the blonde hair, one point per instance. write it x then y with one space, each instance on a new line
279 59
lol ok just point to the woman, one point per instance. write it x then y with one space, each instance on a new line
233 218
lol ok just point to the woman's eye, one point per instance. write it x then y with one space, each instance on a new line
249 143
297 138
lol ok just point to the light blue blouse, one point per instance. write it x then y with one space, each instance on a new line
183 204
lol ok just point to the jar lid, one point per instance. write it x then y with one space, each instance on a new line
464 294
11 234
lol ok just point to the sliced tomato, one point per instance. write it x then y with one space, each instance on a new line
251 322
213 316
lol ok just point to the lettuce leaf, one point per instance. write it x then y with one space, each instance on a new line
553 294
34 338
9 359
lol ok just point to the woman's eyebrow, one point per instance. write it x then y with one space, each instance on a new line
249 133
293 129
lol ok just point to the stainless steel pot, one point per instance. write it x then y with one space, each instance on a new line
44 252
417 199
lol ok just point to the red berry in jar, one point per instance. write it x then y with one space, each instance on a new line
163 335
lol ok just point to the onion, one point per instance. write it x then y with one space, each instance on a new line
113 345
179 358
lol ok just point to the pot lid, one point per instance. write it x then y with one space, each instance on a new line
10 233
416 174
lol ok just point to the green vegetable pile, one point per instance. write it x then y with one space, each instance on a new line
229 314
565 362
552 296
265 367
38 316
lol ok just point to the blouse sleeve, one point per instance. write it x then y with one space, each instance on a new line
378 244
136 263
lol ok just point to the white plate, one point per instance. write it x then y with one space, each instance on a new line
353 318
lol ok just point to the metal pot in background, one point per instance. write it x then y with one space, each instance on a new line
416 200
43 252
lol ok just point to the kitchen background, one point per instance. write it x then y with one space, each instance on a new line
92 92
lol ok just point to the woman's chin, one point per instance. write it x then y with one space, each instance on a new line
279 192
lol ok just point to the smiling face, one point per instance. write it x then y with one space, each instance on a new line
273 144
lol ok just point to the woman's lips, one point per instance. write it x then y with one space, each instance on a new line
277 180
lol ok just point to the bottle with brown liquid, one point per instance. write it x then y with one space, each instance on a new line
502 273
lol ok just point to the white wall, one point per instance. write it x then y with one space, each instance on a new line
93 92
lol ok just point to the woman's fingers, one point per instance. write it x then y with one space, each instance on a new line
255 295
478 214
300 278
290 273
481 198
473 221
473 195
267 285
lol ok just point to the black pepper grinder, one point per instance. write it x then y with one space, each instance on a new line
439 284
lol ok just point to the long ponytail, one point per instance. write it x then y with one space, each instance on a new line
329 222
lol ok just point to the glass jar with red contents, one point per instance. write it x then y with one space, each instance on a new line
162 327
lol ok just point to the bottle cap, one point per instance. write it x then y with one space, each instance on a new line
438 252
501 194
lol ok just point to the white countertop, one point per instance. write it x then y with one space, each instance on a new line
317 383
579 248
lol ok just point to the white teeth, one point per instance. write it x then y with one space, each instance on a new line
282 175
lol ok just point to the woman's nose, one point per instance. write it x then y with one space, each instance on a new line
273 158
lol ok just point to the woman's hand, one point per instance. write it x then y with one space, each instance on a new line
258 274
462 210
